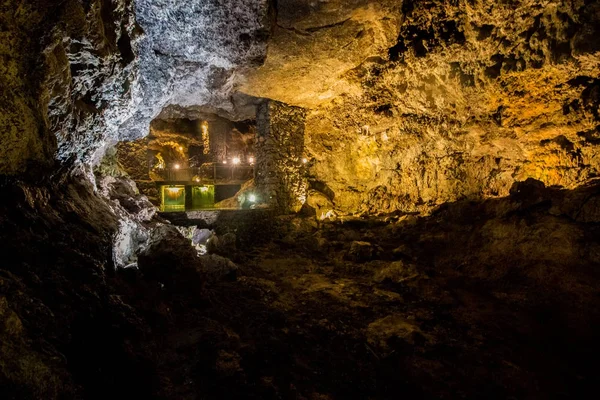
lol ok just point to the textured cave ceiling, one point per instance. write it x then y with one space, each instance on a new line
428 259
410 104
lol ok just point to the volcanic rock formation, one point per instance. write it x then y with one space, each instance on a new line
447 241
437 101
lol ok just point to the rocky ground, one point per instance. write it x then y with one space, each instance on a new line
481 300
493 299
437 107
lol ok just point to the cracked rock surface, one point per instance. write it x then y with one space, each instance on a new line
417 104
192 52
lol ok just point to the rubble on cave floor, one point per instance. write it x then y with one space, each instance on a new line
473 301
488 299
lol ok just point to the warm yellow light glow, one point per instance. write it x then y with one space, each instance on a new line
329 215
197 179
160 164
236 160
251 160
174 192
176 166
205 138
304 160
180 148
224 161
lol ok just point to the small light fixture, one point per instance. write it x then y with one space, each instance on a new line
197 179
180 148
251 160
304 160
204 189
252 198
176 166
236 160
224 161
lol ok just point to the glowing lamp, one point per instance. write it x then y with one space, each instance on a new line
180 148
304 160
252 198
176 166
224 161
251 160
236 160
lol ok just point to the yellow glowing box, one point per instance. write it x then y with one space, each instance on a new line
173 198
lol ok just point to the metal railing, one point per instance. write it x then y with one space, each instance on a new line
209 174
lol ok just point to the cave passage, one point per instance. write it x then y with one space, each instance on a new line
299 199
188 165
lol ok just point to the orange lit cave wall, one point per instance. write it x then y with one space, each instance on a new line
280 175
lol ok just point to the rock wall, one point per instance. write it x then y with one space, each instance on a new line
279 171
192 53
472 99
67 71
78 75
469 97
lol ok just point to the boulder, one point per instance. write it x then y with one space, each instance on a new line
224 245
319 205
361 251
393 332
216 268
227 243
129 238
397 272
170 259
212 244
201 236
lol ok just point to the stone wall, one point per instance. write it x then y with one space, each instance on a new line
192 53
133 157
279 172
66 69
417 103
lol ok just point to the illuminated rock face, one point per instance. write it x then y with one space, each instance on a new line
192 53
81 75
409 104
462 101
279 175
68 68
315 44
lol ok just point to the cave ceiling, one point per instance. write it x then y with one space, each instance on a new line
409 104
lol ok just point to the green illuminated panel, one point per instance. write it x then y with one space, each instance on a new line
203 196
173 198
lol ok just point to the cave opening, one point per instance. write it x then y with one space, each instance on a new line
211 162
189 164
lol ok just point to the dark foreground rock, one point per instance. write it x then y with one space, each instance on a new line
493 299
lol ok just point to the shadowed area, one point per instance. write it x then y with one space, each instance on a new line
298 199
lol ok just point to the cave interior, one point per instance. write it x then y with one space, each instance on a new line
298 199
187 165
